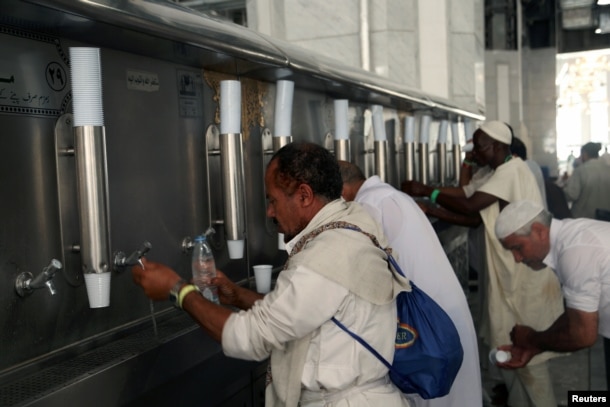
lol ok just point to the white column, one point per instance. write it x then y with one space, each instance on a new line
433 47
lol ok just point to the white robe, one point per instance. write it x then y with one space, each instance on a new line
515 294
420 255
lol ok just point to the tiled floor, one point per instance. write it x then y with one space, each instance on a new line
582 370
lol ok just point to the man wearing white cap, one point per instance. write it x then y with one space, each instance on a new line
513 295
579 252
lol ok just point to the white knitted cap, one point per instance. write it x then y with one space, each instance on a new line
516 215
497 130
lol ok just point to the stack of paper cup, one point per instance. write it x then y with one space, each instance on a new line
98 289
86 79
230 107
262 277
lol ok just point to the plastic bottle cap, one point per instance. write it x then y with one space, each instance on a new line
499 356
502 356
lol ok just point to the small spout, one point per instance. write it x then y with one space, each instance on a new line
26 283
121 261
51 287
209 232
47 274
134 257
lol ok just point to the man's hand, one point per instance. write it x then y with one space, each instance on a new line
520 357
155 278
521 336
227 289
415 188
523 348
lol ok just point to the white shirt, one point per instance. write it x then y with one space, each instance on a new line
420 255
580 255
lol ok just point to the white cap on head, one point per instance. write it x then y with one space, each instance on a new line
497 130
516 215
468 147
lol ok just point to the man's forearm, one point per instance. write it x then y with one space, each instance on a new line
572 331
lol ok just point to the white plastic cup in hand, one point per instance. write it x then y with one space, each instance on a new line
262 276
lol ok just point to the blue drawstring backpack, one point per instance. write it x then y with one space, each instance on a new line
428 351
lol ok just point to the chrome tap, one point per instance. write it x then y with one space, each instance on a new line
121 260
26 283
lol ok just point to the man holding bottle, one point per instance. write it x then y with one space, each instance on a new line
336 273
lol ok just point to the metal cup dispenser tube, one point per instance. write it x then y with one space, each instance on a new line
442 152
424 137
92 174
283 114
457 150
283 126
409 135
381 143
232 166
341 139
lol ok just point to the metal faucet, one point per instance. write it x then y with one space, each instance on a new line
121 260
25 283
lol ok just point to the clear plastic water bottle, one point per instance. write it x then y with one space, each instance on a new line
204 268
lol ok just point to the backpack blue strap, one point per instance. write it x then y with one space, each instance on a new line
363 343
393 263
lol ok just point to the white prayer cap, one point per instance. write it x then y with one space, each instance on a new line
516 215
468 147
497 130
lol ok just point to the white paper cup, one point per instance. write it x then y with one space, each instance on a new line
98 289
280 241
236 249
262 276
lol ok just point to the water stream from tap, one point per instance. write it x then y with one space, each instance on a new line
152 307
154 321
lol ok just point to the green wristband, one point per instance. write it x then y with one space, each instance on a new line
434 195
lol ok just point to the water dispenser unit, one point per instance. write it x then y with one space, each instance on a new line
457 150
272 141
91 172
228 144
424 138
380 143
340 145
409 147
441 152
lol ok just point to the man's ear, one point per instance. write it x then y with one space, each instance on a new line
305 194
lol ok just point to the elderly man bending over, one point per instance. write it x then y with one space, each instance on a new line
578 250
